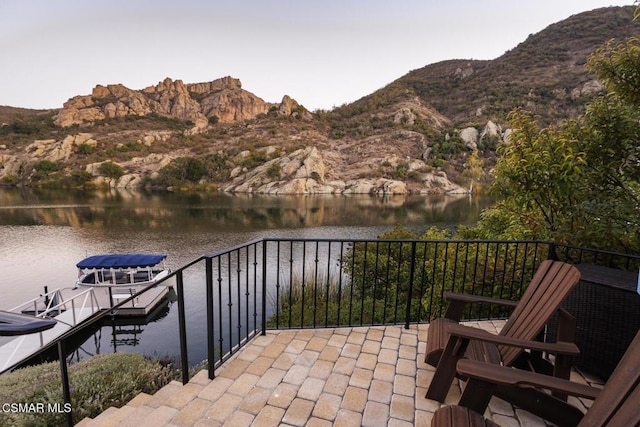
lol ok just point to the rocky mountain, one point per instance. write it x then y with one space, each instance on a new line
222 100
431 131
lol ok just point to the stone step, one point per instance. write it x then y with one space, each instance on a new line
149 410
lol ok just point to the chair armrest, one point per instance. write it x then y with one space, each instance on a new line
505 376
452 296
457 302
466 332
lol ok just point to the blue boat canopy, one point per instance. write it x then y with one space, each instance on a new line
121 261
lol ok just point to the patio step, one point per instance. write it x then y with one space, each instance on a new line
157 409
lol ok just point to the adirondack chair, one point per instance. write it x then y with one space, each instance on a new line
449 341
616 404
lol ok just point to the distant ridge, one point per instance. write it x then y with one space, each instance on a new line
545 73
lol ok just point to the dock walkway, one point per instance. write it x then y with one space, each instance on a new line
23 347
73 307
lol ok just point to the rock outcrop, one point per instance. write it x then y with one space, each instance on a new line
221 100
59 151
304 172
470 137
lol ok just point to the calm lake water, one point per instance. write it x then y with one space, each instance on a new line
43 234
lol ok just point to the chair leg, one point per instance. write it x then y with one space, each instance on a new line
566 332
541 404
446 369
476 395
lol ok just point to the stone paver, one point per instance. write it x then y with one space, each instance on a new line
355 399
192 412
327 407
270 416
298 412
334 377
283 395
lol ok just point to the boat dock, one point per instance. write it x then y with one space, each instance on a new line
71 307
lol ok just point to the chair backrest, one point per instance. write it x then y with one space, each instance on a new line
550 285
618 402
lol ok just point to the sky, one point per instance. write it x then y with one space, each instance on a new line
321 53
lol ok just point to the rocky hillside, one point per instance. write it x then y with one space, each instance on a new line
544 73
222 100
432 131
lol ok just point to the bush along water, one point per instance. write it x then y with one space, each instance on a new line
96 384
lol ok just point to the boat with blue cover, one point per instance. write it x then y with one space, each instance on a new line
122 270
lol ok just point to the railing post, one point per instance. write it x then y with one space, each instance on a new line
110 297
64 376
552 254
264 287
412 269
210 343
182 327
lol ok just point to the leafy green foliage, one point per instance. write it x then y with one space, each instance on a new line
85 149
44 171
255 159
578 183
111 170
274 171
617 64
190 170
96 384
52 175
45 167
183 169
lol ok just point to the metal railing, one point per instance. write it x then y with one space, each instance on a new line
297 283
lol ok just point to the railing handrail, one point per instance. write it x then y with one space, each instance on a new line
62 302
229 250
36 299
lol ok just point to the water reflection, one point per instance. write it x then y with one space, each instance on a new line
166 211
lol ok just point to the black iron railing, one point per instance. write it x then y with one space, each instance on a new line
298 283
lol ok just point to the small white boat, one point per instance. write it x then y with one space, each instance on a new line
122 270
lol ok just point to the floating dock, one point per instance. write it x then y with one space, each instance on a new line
71 307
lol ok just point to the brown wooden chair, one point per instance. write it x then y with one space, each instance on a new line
448 341
616 404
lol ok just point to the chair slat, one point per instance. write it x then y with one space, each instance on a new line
547 292
620 397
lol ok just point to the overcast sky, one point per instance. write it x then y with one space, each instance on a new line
321 53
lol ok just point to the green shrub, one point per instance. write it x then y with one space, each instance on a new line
85 149
96 384
191 170
9 180
111 170
401 170
45 167
255 159
181 170
274 171
217 167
